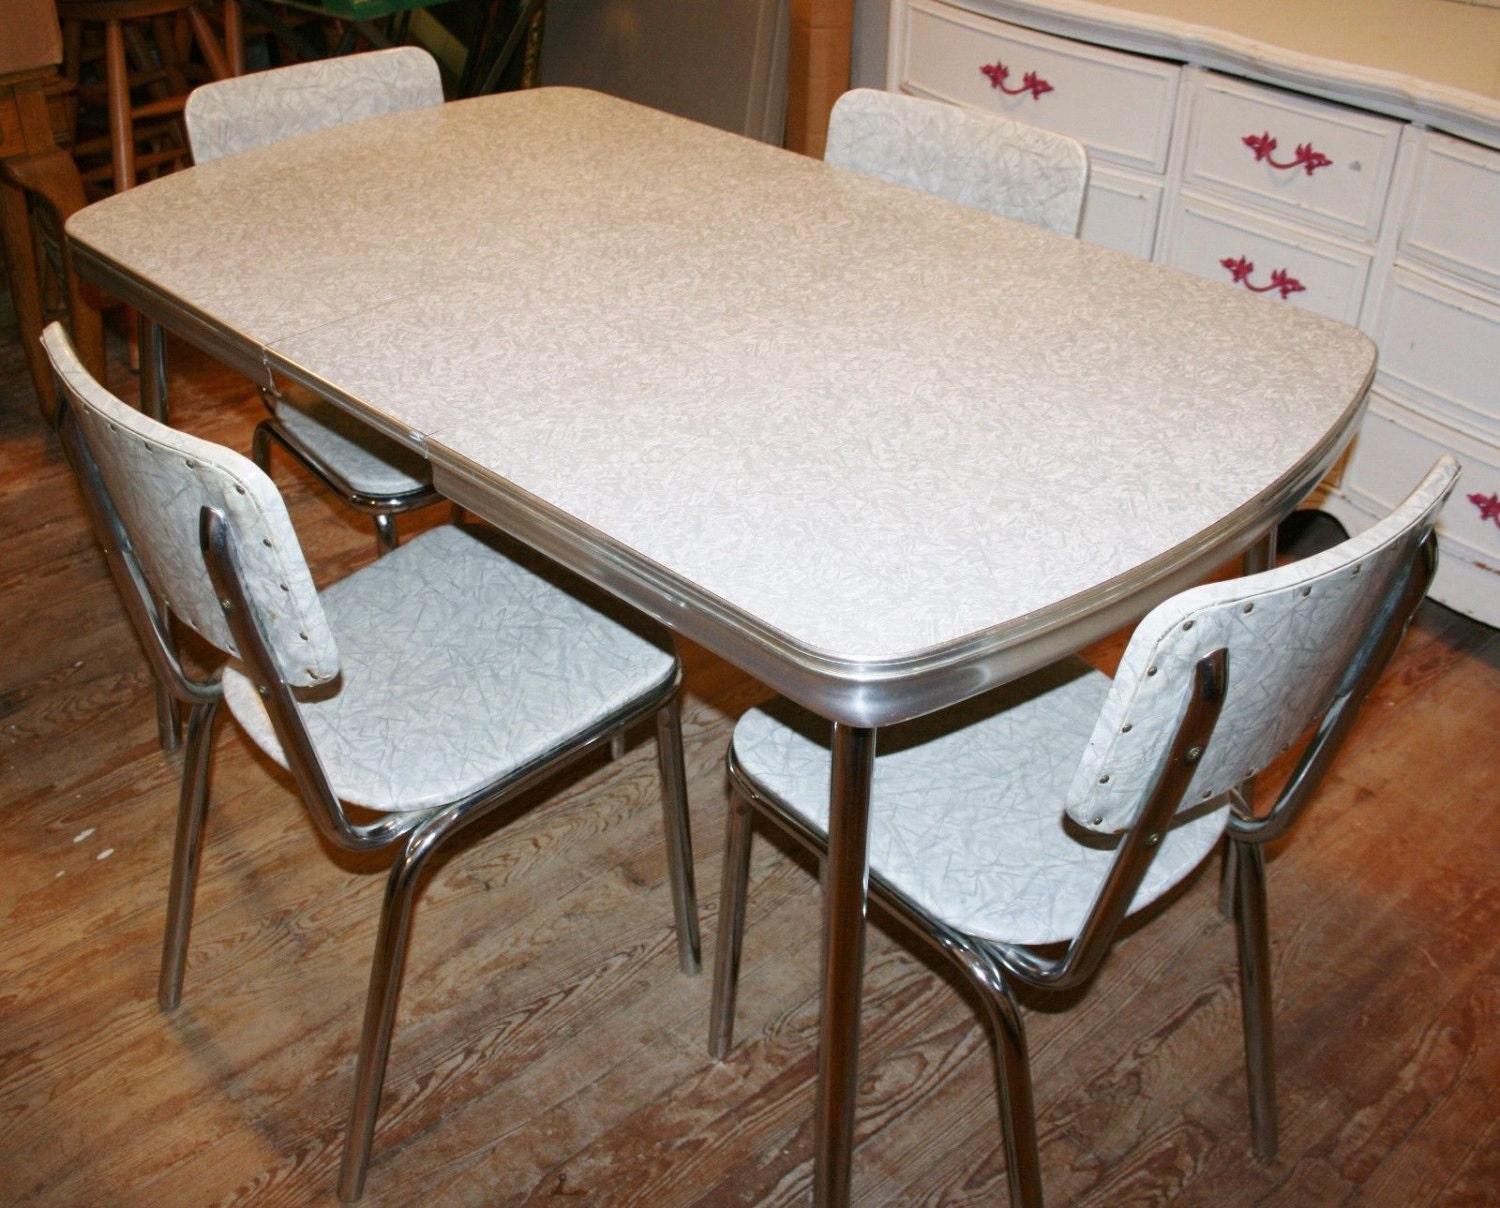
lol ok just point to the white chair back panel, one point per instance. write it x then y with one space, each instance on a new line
233 115
161 480
975 159
1293 635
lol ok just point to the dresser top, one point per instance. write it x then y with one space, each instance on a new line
1435 61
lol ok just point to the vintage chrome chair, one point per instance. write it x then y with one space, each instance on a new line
1044 813
426 689
977 159
371 472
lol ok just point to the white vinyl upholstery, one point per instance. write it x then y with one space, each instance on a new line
459 666
976 159
1292 634
160 480
237 114
454 664
966 815
364 458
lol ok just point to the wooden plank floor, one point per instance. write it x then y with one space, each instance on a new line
547 1049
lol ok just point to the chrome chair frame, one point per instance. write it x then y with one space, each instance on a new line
382 509
413 837
992 967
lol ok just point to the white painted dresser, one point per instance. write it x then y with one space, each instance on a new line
1341 155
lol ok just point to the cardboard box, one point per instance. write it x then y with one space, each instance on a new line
818 69
29 36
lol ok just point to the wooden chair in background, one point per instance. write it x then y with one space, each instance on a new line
143 68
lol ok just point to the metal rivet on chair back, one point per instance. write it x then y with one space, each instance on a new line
248 111
1296 638
976 159
159 481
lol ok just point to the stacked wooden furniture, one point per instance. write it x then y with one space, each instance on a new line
146 71
38 181
1345 159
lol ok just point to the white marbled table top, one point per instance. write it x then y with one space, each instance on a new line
869 429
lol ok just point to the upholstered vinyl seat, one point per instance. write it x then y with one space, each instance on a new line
505 663
976 159
952 783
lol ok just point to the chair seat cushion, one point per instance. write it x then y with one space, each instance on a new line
368 461
460 665
966 813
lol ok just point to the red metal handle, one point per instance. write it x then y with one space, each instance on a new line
1241 268
1305 158
1488 505
1030 82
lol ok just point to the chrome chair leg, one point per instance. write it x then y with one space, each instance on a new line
617 747
168 721
380 1003
678 834
260 446
386 536
1228 881
1255 995
738 831
191 809
1023 1163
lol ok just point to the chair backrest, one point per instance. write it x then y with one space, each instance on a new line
976 159
158 481
248 111
1299 638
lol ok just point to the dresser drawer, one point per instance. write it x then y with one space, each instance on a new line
1264 257
1120 106
1120 211
1453 219
1319 164
1394 448
1440 348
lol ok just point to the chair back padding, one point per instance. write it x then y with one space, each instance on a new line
1298 638
159 481
233 115
976 159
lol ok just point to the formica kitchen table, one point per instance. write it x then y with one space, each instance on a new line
881 451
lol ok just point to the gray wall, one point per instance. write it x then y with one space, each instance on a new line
722 62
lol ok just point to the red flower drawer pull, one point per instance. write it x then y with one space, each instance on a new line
1241 268
1488 505
1030 82
1305 158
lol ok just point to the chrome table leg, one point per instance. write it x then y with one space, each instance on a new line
846 881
